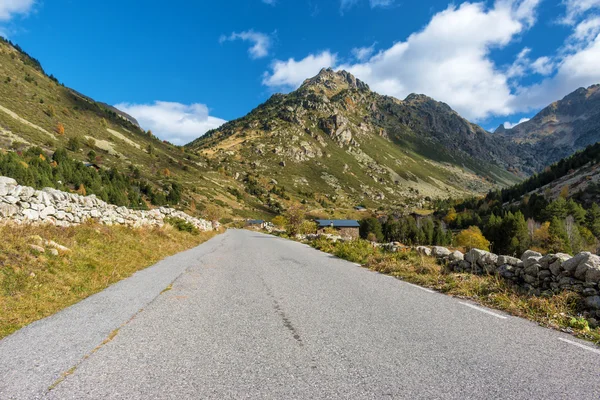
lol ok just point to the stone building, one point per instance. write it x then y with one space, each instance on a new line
346 228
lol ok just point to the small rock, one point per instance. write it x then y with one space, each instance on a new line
440 252
37 248
456 256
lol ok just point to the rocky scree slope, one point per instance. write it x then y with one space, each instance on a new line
559 130
335 139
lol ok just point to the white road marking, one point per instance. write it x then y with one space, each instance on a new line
420 287
358 265
588 348
484 310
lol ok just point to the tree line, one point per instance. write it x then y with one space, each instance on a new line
36 169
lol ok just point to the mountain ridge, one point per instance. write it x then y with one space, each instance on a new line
560 129
414 147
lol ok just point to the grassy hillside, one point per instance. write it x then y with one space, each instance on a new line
37 111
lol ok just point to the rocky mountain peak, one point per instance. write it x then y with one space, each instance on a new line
332 82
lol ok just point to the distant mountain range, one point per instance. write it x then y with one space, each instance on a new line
559 130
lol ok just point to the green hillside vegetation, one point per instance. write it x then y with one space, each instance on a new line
135 167
591 155
36 169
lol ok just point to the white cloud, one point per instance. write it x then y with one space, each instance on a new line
576 8
587 30
10 8
576 65
449 59
521 64
509 125
543 66
178 123
261 42
363 53
291 73
270 2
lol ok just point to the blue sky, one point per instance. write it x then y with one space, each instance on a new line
184 67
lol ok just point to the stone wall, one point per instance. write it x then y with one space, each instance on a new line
538 274
23 204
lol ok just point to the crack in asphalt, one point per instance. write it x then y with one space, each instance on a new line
279 310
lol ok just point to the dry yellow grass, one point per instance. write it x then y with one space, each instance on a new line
562 311
34 285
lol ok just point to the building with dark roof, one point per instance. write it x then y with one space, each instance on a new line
346 228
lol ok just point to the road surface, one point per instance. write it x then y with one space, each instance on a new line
254 316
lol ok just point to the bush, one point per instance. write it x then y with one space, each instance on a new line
357 251
308 227
279 221
182 225
73 144
472 238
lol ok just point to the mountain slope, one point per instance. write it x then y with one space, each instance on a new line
561 129
336 141
576 176
37 111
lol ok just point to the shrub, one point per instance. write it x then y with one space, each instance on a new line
294 216
357 251
308 227
182 225
472 238
60 129
73 144
279 221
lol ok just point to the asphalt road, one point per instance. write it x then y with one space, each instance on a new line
253 316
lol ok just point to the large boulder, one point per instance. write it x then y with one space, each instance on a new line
487 259
556 263
570 265
47 211
474 254
7 181
440 252
8 210
592 266
507 271
531 260
31 215
456 256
